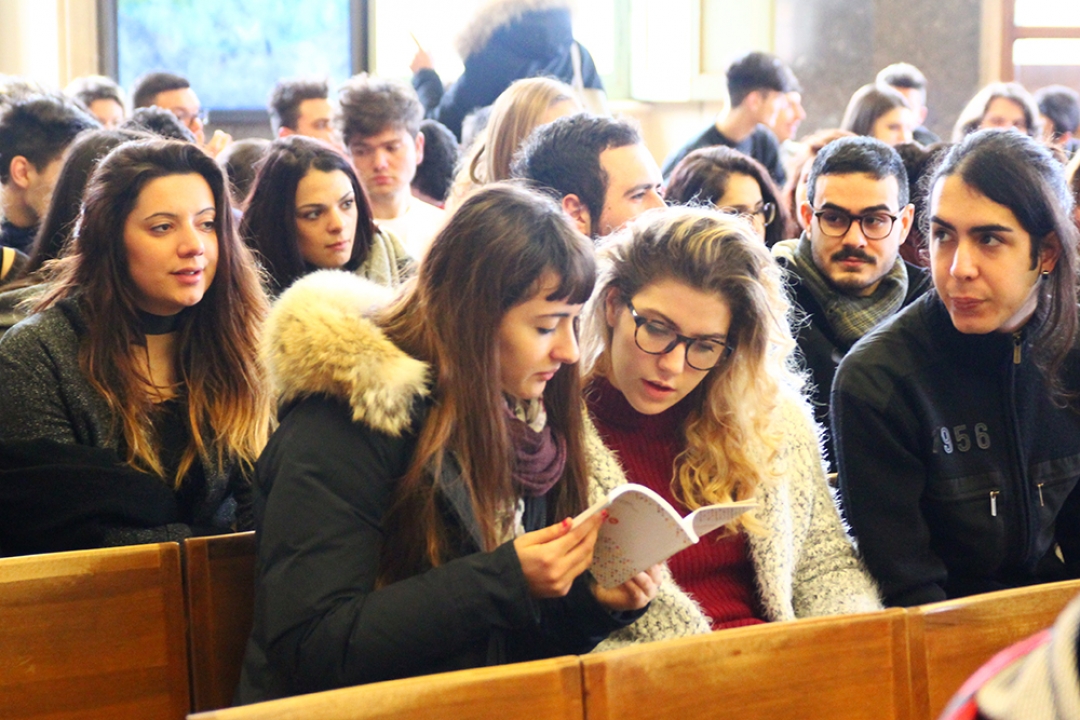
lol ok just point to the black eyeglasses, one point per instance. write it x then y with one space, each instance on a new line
766 211
657 338
874 226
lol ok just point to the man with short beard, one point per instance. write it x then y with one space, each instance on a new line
845 272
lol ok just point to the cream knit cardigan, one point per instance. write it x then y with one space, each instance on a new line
804 561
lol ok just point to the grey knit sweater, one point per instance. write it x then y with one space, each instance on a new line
46 395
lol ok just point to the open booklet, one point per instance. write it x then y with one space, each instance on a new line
643 529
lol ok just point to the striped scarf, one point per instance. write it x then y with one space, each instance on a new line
849 316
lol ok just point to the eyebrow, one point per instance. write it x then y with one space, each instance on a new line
871 209
993 227
677 328
174 216
641 186
322 205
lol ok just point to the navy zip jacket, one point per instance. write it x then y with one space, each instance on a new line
958 472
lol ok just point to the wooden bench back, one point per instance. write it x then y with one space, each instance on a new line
951 639
92 634
219 586
852 667
542 689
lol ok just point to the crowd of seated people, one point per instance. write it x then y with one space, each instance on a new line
410 386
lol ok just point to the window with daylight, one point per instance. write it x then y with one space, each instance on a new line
1041 42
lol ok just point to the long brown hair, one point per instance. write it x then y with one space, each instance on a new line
216 359
492 255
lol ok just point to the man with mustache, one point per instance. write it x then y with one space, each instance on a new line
845 272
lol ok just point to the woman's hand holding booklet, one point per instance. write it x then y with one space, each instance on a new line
643 529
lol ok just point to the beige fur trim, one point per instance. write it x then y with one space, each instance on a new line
319 341
493 15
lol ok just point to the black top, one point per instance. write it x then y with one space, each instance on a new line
760 145
20 238
171 426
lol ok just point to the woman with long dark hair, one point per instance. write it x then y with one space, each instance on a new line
956 424
140 364
414 505
307 211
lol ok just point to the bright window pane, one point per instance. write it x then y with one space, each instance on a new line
594 27
233 52
1047 13
1046 51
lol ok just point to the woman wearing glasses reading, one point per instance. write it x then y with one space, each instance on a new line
735 184
690 382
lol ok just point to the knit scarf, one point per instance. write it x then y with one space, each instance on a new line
849 316
540 454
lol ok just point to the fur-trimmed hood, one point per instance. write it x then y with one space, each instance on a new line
319 341
495 14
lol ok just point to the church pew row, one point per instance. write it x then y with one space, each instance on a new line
219 588
128 632
949 640
94 634
845 668
541 689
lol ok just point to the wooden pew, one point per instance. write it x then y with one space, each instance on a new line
852 667
219 586
93 633
949 640
542 689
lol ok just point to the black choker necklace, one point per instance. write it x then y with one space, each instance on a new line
152 324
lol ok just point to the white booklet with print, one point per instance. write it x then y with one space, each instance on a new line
643 529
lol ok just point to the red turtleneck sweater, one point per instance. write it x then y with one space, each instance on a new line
717 571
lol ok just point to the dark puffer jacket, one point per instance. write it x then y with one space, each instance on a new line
958 471
354 404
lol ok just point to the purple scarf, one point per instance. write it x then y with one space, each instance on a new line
540 456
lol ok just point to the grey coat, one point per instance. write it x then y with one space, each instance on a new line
46 395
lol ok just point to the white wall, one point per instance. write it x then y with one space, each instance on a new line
51 41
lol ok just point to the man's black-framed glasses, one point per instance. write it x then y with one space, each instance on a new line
875 225
766 211
656 338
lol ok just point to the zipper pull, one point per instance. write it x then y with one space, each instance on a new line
1016 347
1041 503
993 502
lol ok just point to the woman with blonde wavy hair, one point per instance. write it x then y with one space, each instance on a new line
519 110
688 355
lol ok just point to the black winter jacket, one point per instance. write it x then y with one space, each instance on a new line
958 473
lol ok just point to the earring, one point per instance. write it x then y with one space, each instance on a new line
1045 273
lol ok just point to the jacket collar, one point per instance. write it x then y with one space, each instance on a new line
319 340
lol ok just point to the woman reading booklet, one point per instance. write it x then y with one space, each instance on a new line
688 358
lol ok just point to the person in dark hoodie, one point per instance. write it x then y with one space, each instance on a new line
506 40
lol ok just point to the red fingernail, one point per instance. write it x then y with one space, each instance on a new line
605 514
566 522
